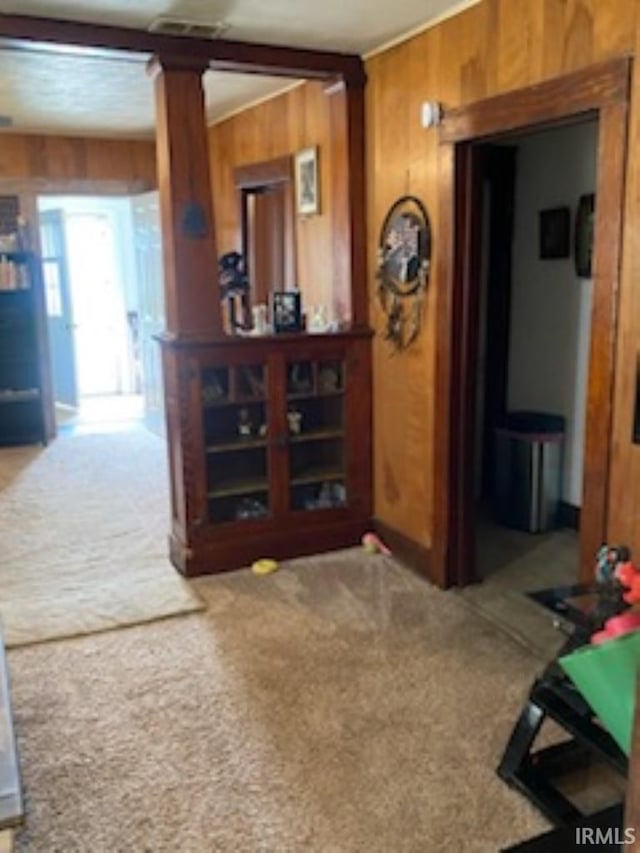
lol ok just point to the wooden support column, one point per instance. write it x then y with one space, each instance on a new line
340 227
347 116
357 199
192 303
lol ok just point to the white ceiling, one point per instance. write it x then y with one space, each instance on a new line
63 94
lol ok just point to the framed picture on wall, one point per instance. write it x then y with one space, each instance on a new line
583 243
307 181
554 233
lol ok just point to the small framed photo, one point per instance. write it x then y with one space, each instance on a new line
286 311
554 233
307 183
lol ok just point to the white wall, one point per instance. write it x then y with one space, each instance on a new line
551 306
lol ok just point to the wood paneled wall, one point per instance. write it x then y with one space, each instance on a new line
55 162
279 127
494 47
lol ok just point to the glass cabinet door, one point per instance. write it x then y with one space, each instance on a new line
316 434
234 404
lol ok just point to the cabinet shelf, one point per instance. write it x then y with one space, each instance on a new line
226 401
27 396
319 395
317 475
235 488
317 435
236 444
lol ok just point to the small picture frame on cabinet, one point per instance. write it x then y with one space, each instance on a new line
286 311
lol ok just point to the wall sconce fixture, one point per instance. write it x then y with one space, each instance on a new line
431 113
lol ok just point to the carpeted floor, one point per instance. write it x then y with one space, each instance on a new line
83 525
341 704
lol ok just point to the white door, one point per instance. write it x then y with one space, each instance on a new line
148 253
99 311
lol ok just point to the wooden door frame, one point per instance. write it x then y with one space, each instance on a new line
602 91
256 177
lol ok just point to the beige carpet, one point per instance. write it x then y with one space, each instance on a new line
341 704
83 526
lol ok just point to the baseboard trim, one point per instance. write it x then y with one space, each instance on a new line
408 551
569 515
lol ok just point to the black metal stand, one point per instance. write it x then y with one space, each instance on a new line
553 696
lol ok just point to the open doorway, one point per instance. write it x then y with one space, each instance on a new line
600 93
534 328
103 285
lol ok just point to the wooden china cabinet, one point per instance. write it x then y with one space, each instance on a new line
278 460
269 437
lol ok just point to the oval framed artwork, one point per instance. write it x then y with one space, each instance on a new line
404 256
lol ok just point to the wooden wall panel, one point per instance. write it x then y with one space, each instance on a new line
279 127
53 160
624 501
496 46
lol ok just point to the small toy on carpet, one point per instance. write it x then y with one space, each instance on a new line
372 544
265 566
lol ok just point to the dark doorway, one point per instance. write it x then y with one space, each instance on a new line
498 169
266 238
601 93
267 227
534 319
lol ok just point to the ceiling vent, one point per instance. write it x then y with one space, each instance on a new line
168 26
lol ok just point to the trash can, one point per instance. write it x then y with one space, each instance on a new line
529 450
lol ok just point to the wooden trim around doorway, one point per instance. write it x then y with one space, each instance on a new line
601 91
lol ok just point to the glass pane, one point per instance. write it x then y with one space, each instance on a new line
300 379
235 434
53 295
330 377
315 413
215 386
251 382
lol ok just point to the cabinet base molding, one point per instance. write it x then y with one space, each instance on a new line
212 557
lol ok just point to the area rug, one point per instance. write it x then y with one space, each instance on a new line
341 704
83 526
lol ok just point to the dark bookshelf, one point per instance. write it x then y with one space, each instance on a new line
24 390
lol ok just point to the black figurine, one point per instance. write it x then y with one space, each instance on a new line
233 281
